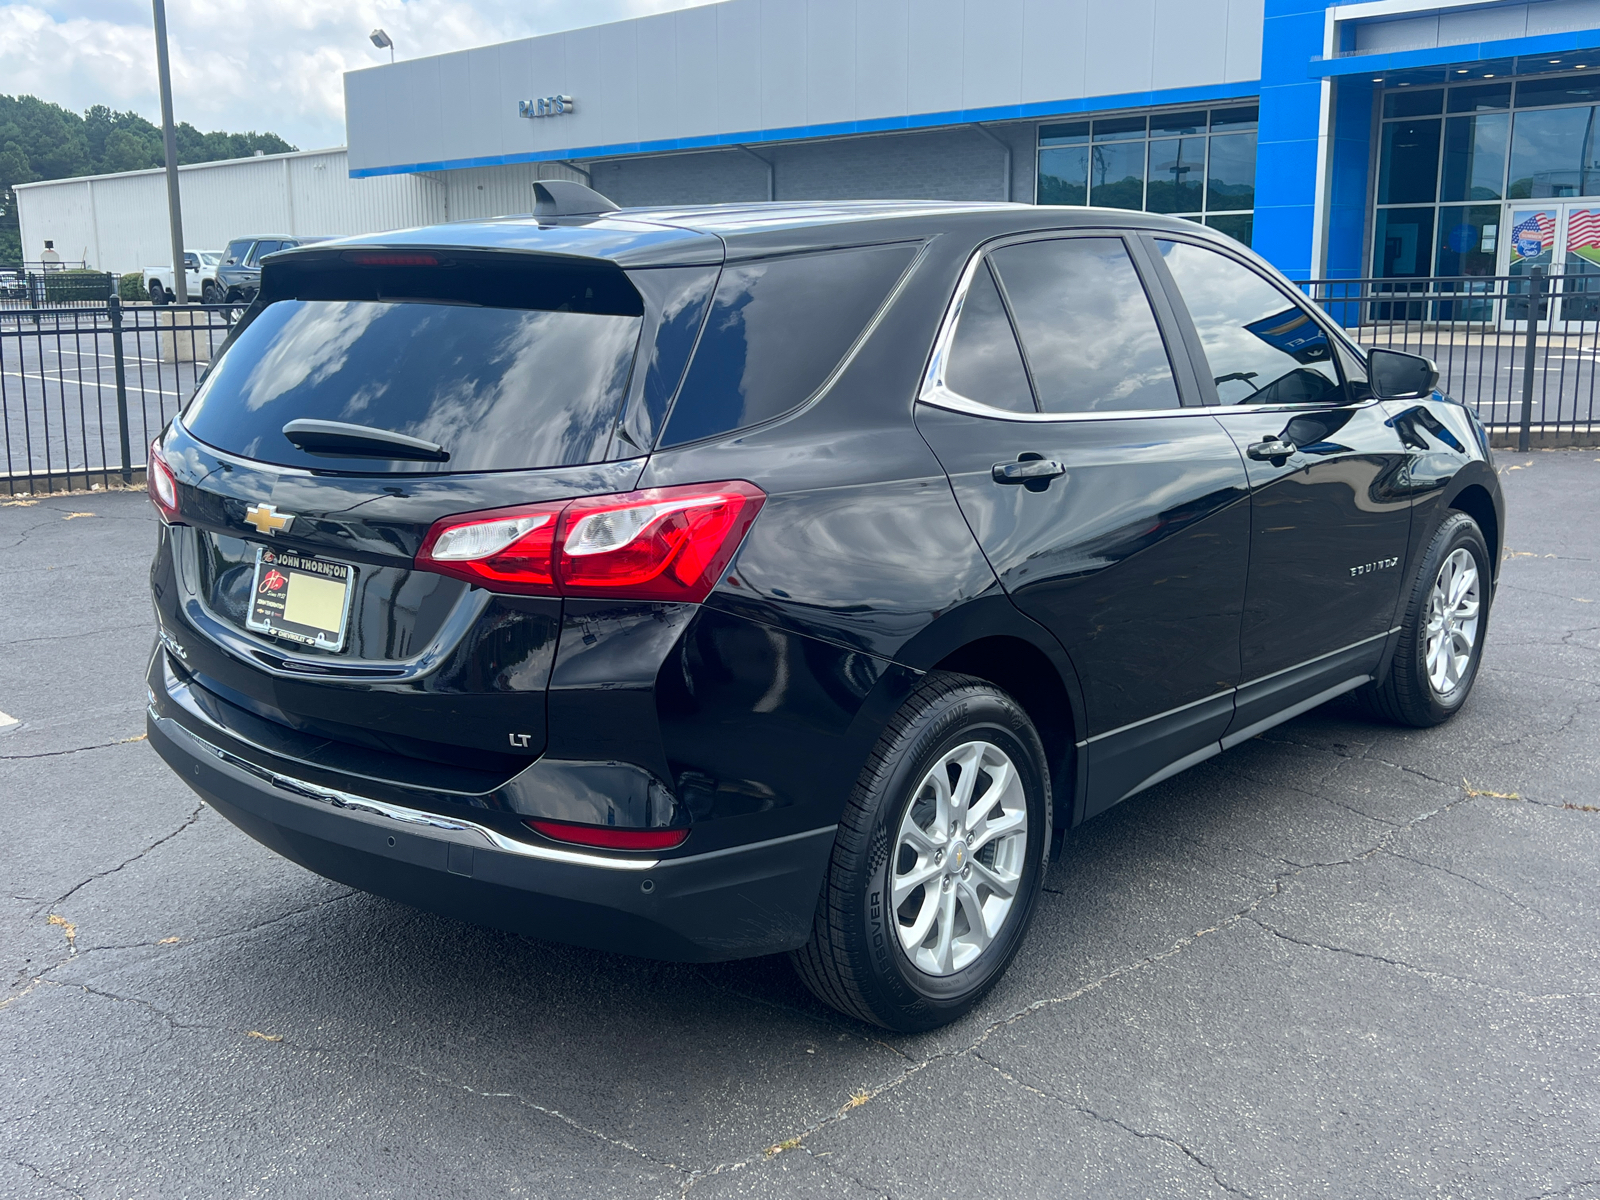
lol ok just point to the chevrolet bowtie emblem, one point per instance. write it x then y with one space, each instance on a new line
267 519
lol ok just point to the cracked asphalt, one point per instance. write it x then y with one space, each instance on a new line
1342 960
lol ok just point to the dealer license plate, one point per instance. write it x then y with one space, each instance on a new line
303 599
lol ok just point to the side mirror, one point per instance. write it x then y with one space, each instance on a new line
1397 376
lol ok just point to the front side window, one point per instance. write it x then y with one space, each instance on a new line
236 251
1086 326
1261 346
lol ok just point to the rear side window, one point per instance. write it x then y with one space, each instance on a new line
497 388
262 250
776 331
985 364
1262 347
1088 332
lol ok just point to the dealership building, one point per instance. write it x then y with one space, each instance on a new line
1395 138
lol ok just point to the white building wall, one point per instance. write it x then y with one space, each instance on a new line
767 69
1491 23
119 222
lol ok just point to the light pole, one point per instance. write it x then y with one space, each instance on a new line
383 41
180 281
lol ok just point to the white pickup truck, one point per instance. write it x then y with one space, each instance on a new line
200 274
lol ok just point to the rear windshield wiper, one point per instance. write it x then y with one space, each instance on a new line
338 439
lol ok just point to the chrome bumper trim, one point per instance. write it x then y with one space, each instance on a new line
455 829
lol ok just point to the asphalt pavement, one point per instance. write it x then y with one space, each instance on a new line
1342 960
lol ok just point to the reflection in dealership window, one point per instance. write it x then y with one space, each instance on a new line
1261 347
1195 163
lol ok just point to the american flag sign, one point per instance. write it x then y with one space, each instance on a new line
1533 235
1583 229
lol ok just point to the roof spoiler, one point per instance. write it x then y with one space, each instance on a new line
554 198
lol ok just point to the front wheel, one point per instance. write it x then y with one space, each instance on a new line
210 293
938 860
1441 636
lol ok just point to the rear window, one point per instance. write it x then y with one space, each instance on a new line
777 330
497 388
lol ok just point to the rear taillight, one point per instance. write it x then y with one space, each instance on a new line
659 544
162 485
607 837
509 550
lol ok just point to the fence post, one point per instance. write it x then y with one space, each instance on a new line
1535 294
114 306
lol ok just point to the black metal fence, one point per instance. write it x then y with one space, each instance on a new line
52 285
1533 382
84 390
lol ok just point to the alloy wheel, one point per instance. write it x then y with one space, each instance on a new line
1453 616
959 856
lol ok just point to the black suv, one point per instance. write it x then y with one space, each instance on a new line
705 583
239 274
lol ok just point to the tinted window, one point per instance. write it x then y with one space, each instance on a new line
1408 163
776 331
262 250
985 364
496 387
1091 340
1262 347
236 251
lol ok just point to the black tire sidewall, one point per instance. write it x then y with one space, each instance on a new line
1459 532
921 1000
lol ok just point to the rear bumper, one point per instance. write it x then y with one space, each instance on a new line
734 903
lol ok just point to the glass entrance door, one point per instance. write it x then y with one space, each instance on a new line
1564 239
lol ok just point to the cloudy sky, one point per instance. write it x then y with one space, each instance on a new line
259 65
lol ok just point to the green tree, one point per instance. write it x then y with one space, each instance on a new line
40 140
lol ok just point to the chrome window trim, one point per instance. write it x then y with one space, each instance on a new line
934 390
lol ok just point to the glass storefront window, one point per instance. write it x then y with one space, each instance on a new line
1549 151
1191 163
1469 240
1532 93
1231 179
1064 175
1466 174
1408 162
1480 99
1403 243
1413 104
1116 175
1474 156
1177 169
1238 226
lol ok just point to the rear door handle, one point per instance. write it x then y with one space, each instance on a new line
1272 450
1033 468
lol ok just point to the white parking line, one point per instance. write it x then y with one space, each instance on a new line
112 384
7 722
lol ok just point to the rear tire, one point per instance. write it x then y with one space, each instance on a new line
956 795
158 294
1441 636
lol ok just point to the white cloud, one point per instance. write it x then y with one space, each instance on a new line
255 64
